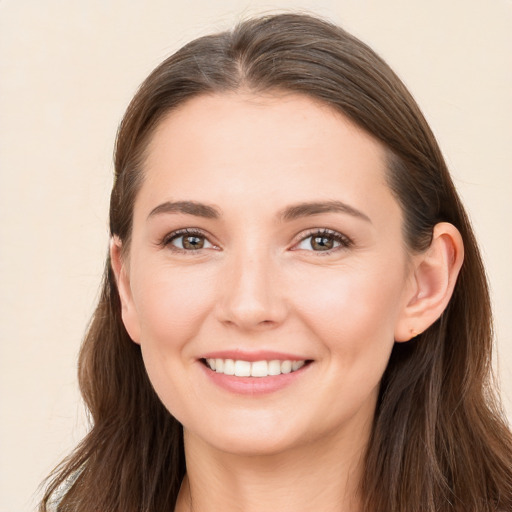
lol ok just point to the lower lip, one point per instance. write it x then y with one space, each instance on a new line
254 385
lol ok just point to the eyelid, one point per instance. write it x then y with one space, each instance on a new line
177 233
344 241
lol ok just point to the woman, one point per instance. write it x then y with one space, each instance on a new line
294 312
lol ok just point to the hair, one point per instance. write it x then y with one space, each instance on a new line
439 439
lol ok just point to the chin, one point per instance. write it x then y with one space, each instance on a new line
249 438
252 445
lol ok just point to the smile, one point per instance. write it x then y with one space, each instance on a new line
241 368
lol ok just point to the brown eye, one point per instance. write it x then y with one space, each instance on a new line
192 242
322 243
186 240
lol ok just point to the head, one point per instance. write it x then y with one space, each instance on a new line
433 359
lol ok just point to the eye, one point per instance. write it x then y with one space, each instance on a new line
187 240
323 241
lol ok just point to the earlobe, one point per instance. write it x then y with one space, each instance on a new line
434 275
128 311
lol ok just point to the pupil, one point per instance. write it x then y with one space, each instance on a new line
322 243
193 242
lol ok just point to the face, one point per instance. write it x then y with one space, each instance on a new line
266 273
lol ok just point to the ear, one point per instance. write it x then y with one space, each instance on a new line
434 275
128 311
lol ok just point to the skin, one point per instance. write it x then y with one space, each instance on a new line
259 284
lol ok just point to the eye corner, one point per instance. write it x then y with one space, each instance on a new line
328 241
203 241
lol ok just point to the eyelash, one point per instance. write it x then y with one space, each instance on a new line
175 235
344 241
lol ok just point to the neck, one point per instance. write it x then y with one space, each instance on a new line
323 476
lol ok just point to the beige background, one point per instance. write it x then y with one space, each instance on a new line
68 70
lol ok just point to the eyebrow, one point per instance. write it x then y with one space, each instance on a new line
289 213
187 207
315 208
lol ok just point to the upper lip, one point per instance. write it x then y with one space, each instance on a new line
260 355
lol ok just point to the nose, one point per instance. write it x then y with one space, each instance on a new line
251 295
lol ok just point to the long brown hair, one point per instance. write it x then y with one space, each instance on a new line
439 440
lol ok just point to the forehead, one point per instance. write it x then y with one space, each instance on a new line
217 147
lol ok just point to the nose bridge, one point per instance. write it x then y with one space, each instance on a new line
250 293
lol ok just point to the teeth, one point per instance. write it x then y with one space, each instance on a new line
274 367
242 368
229 367
259 369
296 365
286 367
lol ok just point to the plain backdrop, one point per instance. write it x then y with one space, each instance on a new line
67 72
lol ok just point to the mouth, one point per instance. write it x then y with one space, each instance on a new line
258 369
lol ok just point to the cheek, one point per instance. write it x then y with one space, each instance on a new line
351 316
351 309
172 306
171 303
